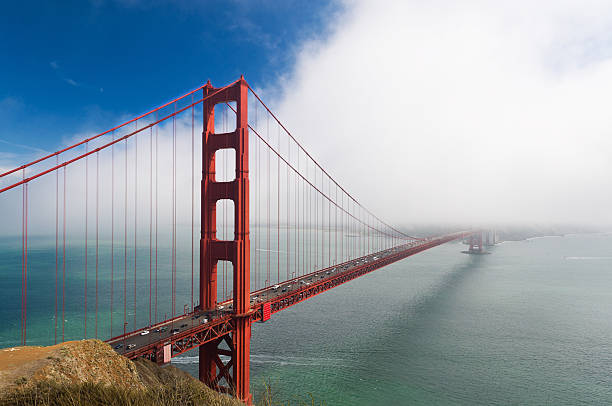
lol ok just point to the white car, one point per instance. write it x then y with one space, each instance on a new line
144 332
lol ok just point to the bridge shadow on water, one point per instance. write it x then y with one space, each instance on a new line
417 352
439 294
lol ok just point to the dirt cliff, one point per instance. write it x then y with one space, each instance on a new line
89 372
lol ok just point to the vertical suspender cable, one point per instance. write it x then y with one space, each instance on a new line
64 258
25 297
135 214
257 233
329 261
354 231
192 190
56 239
304 224
22 253
86 253
156 206
322 221
316 225
125 208
296 216
278 211
150 224
309 228
322 225
288 233
341 227
112 286
368 224
315 229
23 257
268 199
336 226
172 229
174 213
97 231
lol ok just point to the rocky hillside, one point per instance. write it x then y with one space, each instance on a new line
89 372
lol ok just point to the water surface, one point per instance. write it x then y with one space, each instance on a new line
529 324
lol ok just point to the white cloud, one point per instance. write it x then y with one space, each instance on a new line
27 147
71 82
465 112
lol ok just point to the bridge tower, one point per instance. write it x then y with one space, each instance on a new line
212 370
476 242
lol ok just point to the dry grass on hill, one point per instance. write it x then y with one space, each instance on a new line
90 373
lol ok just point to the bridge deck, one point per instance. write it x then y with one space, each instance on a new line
186 332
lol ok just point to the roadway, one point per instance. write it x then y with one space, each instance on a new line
165 330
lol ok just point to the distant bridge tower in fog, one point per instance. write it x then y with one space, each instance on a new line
478 240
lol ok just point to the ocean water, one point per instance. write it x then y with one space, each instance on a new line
529 324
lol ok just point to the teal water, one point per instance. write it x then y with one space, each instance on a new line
529 324
135 303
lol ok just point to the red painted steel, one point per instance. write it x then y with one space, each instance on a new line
299 295
214 331
267 312
212 369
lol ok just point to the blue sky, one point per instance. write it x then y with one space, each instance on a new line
72 67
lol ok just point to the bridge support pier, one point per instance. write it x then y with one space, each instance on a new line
212 370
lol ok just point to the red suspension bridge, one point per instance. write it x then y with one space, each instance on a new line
156 265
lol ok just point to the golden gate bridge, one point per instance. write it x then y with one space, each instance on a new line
136 237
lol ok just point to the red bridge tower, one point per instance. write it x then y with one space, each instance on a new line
212 368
